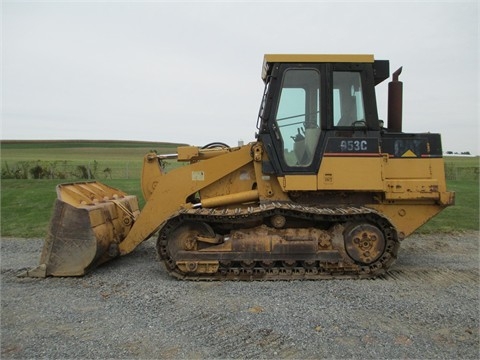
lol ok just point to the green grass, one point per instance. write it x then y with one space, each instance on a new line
461 168
464 215
26 206
83 151
461 161
69 144
123 159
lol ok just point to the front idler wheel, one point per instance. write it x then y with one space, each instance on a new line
184 238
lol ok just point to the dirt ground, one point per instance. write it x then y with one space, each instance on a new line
427 306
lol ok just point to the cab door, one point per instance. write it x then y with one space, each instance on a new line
296 117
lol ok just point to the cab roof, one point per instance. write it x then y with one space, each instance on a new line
382 65
311 58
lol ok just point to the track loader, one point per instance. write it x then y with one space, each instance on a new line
327 189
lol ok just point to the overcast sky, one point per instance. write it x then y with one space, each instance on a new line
189 71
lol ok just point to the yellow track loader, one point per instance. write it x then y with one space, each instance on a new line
327 189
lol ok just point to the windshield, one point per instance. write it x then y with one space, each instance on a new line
297 118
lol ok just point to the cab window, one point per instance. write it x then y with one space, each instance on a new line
348 107
297 117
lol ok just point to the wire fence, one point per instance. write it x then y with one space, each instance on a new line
72 170
453 172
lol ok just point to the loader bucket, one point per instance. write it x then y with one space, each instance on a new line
89 220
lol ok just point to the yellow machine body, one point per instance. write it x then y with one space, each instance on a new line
327 197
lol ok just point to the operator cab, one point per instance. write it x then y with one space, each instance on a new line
311 98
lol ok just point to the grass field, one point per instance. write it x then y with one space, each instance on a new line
124 159
84 151
26 204
461 167
62 159
463 216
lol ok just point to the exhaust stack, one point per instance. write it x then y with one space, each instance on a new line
395 99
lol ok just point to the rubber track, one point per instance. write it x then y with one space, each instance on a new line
341 270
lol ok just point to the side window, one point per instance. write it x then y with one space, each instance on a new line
298 115
348 107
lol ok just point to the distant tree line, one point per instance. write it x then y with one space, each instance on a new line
458 153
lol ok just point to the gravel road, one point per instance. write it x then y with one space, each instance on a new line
426 307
